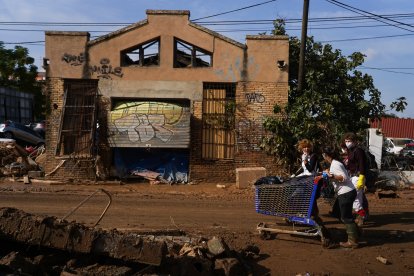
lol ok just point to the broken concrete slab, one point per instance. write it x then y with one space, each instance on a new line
245 177
217 246
73 237
16 262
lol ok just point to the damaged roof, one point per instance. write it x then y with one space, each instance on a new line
164 12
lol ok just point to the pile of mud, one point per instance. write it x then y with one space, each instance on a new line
36 245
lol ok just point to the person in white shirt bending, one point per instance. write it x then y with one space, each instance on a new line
346 195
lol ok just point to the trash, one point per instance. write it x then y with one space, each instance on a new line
269 180
15 160
382 260
221 186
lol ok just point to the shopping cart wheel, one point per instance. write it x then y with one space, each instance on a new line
266 235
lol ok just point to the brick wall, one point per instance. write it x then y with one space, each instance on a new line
206 170
63 168
254 101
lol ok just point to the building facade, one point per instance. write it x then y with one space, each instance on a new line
163 96
16 106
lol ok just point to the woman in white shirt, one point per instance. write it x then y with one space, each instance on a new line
346 195
309 164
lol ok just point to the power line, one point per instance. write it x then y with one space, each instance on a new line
364 38
394 68
321 41
374 16
248 7
386 70
224 22
239 23
43 30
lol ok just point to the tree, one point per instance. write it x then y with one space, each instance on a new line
336 98
17 71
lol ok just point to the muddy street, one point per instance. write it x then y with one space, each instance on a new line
206 210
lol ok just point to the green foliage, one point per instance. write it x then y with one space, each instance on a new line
17 71
335 98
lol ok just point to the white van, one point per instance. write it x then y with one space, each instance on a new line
395 145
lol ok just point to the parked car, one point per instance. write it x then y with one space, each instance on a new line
408 150
395 145
40 128
21 133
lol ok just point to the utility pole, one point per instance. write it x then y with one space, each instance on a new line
301 72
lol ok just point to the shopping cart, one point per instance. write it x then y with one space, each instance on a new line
292 200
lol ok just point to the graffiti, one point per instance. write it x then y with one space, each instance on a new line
105 70
147 123
142 128
255 97
73 59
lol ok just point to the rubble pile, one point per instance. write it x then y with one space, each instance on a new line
47 245
17 161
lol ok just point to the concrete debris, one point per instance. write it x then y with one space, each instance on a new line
88 251
189 250
382 260
217 246
16 262
229 267
96 269
17 161
53 233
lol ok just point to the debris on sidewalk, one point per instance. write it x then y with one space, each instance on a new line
153 177
16 161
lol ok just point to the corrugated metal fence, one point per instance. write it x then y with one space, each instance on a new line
395 127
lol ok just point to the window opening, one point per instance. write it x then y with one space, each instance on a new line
188 55
77 130
146 54
218 134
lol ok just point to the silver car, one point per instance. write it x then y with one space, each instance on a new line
21 133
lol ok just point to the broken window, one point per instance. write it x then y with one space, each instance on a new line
218 134
145 54
188 55
78 123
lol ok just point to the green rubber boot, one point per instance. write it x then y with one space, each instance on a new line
352 231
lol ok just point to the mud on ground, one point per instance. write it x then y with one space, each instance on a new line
204 210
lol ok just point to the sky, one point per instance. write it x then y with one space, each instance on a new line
387 42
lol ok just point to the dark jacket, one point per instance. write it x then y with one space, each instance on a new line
356 161
312 165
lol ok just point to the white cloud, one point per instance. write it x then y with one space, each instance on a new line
370 53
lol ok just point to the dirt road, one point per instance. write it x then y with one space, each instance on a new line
206 210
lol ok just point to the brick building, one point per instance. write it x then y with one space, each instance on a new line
164 95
